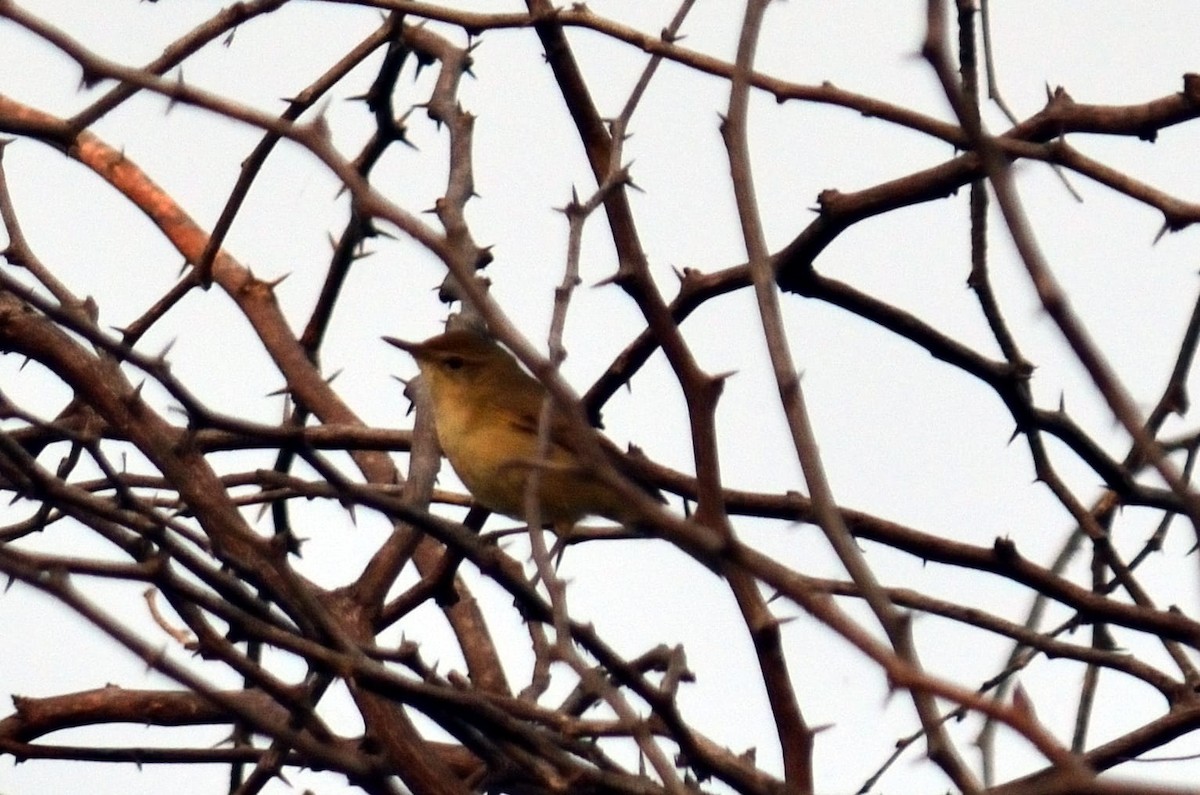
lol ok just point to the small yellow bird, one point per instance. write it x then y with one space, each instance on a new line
486 410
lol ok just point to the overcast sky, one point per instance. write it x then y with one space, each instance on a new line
902 436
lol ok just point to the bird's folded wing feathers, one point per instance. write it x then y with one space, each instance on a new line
561 432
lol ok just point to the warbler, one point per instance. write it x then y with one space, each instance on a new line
486 410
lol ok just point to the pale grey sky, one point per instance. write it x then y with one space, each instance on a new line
902 435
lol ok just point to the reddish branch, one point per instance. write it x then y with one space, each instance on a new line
181 527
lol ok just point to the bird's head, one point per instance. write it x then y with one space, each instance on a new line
459 360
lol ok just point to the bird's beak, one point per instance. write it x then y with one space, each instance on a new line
414 349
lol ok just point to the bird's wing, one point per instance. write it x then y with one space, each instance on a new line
562 434
527 410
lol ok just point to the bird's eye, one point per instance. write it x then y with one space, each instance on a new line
454 362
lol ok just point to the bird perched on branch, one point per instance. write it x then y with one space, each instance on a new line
486 410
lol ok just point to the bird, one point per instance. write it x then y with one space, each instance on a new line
486 410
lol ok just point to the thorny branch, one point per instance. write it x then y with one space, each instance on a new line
133 456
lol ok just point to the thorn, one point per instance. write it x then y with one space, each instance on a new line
1166 227
174 100
90 308
271 285
162 355
484 257
88 78
320 127
669 37
1023 704
135 397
